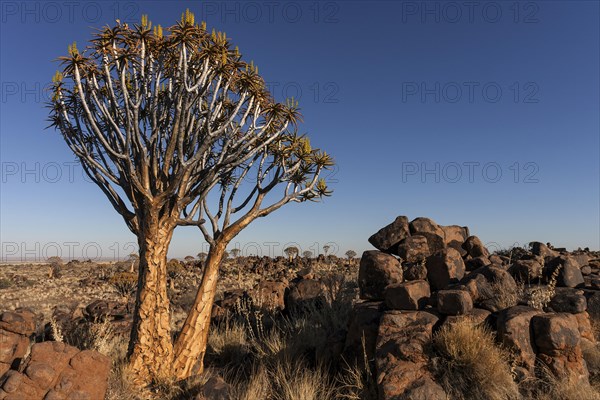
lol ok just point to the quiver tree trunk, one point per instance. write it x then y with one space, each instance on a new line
191 343
150 345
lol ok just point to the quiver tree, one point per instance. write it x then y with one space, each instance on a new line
291 252
159 121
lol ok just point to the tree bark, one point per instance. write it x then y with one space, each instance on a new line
190 346
150 345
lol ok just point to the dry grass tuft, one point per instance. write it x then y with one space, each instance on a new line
295 380
357 381
470 365
552 388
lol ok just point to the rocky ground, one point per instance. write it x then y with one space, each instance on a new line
429 314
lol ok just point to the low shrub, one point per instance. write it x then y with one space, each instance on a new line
469 365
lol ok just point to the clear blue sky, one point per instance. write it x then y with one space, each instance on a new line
464 90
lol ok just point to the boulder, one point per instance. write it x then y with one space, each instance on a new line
270 295
414 271
455 236
515 332
363 327
581 259
376 271
98 310
478 287
496 259
494 289
542 250
569 274
400 358
557 338
454 302
526 270
230 301
388 237
555 332
413 295
585 326
305 294
568 300
21 321
16 327
413 248
436 239
475 248
444 267
472 263
59 371
12 350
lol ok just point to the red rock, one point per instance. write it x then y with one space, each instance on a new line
400 358
436 238
444 267
59 371
455 236
555 332
515 332
413 249
388 237
526 270
412 295
377 270
485 290
568 300
540 249
569 276
475 247
454 302
585 326
305 293
414 271
270 295
20 321
558 339
364 325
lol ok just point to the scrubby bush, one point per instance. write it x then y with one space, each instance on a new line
5 283
469 365
125 283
